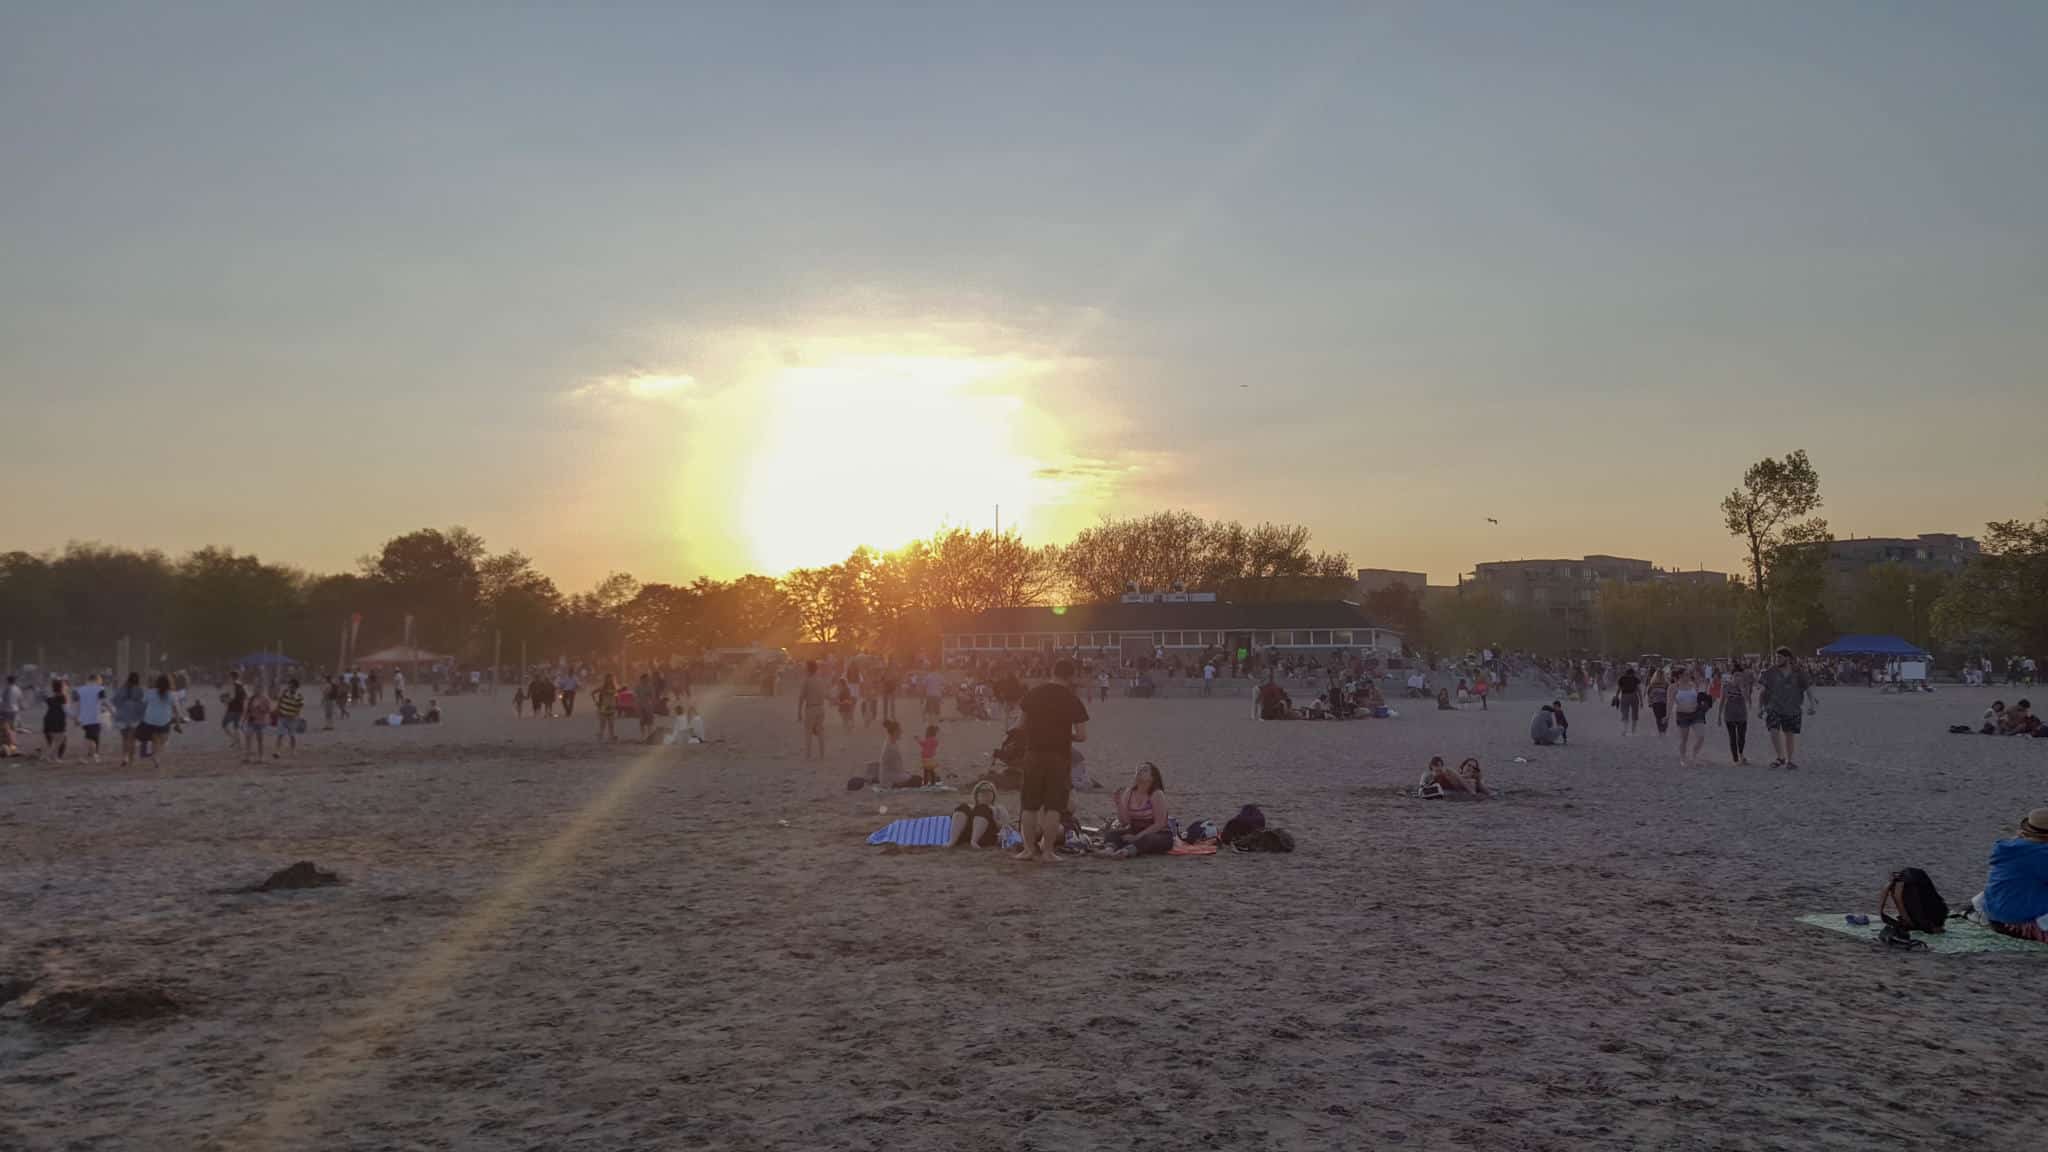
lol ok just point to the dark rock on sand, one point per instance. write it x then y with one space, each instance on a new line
93 1007
13 988
304 874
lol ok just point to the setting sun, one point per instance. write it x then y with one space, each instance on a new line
879 449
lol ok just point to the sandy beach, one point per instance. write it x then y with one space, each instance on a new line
543 943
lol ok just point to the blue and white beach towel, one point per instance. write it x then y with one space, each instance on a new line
917 832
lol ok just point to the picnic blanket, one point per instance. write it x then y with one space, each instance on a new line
1961 935
917 832
1207 849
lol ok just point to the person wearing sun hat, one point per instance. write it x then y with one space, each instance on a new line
2015 896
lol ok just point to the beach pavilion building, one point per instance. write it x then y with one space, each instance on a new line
1177 623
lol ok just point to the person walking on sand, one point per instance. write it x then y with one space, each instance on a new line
10 714
159 719
1735 689
1054 721
90 696
1628 698
290 704
1689 705
607 704
810 709
128 703
234 702
1787 689
56 720
256 714
1658 691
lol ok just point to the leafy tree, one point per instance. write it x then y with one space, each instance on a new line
1399 607
1165 548
515 601
1772 514
229 605
432 576
2001 598
1891 599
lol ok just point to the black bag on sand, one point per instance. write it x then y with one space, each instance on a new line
1248 820
1919 903
1265 840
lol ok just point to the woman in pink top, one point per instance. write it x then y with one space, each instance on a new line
1141 812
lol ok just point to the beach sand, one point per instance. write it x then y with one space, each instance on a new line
546 944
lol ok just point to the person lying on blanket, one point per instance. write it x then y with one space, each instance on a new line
1467 783
2015 897
1141 817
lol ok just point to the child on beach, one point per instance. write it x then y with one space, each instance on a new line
928 755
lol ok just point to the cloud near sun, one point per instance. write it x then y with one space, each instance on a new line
792 446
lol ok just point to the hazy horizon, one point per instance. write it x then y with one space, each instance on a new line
705 292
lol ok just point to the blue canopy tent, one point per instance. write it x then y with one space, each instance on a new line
265 660
1889 647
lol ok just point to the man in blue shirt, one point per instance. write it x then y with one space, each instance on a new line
2015 896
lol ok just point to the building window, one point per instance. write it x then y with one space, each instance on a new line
1262 639
1283 639
1016 641
1341 638
1322 638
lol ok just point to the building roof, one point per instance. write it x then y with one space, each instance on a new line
1201 615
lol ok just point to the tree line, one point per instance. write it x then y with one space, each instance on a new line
214 605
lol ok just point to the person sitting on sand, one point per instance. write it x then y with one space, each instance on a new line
1141 828
1994 719
1274 702
433 715
888 771
979 822
1467 783
1373 698
2015 896
1464 692
1443 700
2020 720
1549 726
408 712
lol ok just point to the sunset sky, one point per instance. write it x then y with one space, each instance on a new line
691 290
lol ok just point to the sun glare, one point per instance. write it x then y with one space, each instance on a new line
880 450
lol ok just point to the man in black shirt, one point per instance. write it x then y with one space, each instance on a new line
1054 721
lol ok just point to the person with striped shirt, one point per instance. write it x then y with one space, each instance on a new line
290 703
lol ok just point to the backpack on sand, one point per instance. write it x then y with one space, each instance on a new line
1919 903
1015 749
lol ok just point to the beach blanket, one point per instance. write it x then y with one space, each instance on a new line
1208 849
1962 935
917 832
